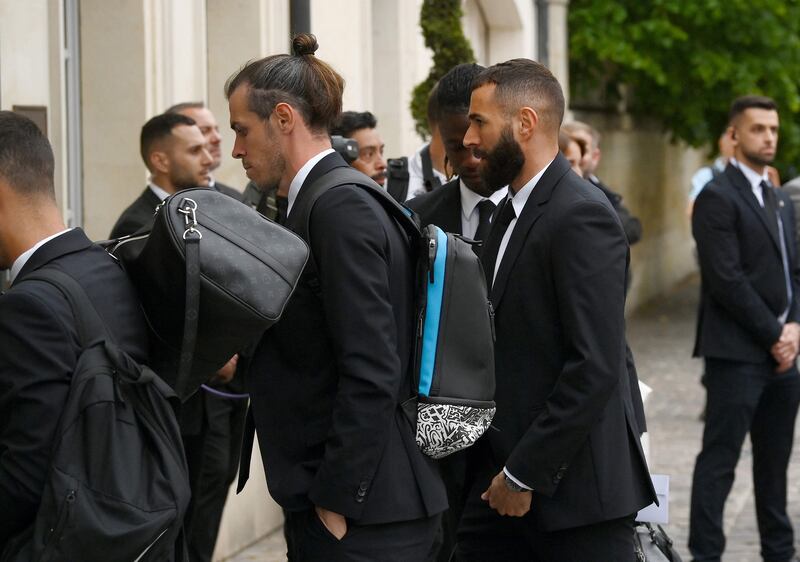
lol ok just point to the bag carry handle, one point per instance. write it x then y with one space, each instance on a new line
191 237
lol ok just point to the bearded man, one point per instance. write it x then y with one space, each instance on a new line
562 474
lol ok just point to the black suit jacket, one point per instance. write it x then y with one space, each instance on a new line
38 353
441 207
141 211
743 285
138 214
630 224
327 380
565 423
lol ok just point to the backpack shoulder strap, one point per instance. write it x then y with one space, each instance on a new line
397 178
345 175
91 328
428 177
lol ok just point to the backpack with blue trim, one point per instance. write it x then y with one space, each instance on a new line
454 351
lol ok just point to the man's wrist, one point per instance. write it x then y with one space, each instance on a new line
513 484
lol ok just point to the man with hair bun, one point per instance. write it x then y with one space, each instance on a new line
327 380
561 474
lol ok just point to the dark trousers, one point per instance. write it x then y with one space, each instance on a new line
742 398
307 540
213 459
486 536
453 470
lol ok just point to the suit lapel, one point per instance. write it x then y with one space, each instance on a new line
533 210
744 188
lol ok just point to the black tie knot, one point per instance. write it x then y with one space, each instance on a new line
485 210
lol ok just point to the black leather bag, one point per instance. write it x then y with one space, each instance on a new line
651 544
213 275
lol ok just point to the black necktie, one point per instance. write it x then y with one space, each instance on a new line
485 210
770 207
492 244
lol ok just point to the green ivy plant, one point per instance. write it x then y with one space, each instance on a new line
682 62
440 21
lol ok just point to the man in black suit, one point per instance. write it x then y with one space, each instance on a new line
38 336
561 474
215 448
327 380
748 333
178 156
174 151
465 204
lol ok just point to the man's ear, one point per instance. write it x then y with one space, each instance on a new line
159 161
528 122
285 117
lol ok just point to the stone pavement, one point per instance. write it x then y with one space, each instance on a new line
661 335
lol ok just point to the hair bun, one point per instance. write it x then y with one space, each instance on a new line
304 44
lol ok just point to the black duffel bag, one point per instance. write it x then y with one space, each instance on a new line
213 275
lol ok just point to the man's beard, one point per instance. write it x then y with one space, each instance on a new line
503 163
186 180
757 159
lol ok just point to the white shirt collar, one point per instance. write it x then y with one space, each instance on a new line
519 198
470 199
752 176
301 176
160 193
20 262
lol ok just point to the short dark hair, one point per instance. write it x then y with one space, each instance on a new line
351 121
455 88
743 103
183 106
305 82
26 157
523 82
158 128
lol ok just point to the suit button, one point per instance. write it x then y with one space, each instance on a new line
359 499
555 479
362 487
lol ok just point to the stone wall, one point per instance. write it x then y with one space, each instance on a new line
653 175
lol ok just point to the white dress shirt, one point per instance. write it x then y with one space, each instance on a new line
517 199
23 258
300 177
470 216
416 179
160 193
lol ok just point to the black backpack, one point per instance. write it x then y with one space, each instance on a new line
454 352
117 486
